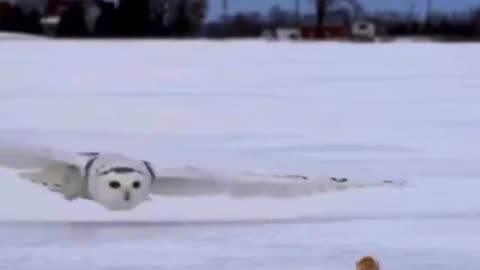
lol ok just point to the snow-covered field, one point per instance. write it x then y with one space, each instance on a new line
398 110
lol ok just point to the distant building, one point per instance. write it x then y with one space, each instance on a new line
336 24
57 7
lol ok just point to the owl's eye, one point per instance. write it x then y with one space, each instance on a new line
114 184
136 184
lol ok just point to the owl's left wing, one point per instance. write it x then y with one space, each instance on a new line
57 171
190 182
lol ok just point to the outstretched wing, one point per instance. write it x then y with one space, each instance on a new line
60 172
196 182
18 156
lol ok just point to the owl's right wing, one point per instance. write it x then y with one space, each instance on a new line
191 182
57 171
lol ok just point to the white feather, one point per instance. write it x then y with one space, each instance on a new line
196 182
58 171
26 156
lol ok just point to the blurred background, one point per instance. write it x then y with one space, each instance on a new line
372 110
274 19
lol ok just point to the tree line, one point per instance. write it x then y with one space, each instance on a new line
130 18
138 18
14 19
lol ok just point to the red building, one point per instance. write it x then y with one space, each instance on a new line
336 25
56 7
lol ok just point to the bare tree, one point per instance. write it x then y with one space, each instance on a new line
476 22
322 7
186 16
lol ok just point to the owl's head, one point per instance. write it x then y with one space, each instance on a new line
120 188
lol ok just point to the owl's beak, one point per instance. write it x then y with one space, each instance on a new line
126 196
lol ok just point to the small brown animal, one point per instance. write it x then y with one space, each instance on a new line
368 263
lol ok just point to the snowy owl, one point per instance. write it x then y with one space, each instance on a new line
118 182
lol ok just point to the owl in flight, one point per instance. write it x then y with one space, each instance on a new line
118 182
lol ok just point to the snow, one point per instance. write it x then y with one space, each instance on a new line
15 36
405 110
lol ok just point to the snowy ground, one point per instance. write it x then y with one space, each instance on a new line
399 110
